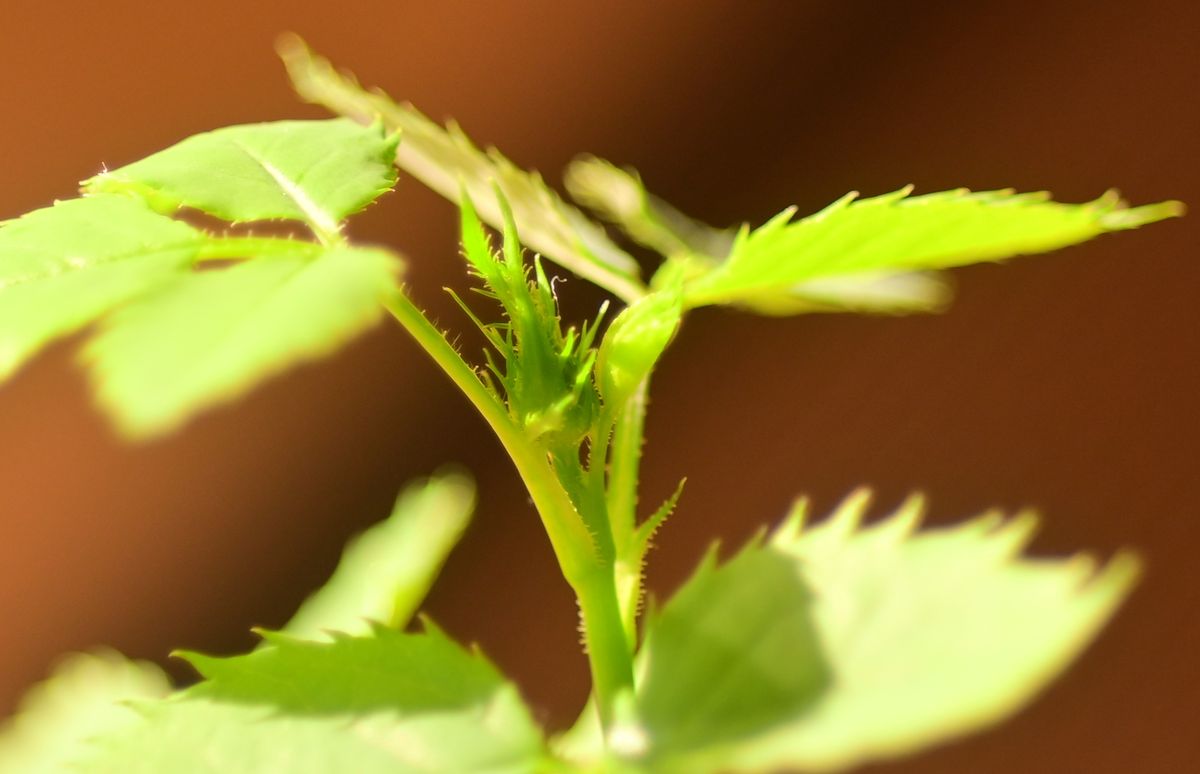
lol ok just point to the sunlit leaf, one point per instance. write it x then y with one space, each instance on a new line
899 233
386 571
210 336
444 159
619 196
734 652
693 248
386 702
929 635
82 700
317 172
64 266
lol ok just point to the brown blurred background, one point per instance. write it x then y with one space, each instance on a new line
1066 382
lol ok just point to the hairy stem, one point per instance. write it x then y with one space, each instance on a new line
591 579
625 460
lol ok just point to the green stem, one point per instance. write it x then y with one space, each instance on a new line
625 460
591 579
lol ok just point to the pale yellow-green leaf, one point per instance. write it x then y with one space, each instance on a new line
619 196
82 700
383 703
386 571
901 233
930 634
444 159
316 172
62 267
210 336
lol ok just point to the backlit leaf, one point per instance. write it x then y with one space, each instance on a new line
735 651
928 635
316 172
619 196
899 233
64 266
386 571
210 336
386 702
444 159
82 700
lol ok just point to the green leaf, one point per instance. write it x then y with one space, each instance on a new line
64 266
82 699
867 293
198 736
316 172
388 702
734 652
898 233
619 196
448 162
693 248
929 635
384 670
386 571
210 336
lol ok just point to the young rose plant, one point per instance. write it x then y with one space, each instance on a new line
815 647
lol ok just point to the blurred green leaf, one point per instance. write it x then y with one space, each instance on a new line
880 292
200 736
619 196
210 336
734 652
81 700
693 248
929 635
64 266
444 159
386 571
316 172
386 702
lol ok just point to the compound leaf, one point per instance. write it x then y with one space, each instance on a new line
928 635
444 159
693 248
898 233
387 702
209 336
386 571
83 699
316 172
64 266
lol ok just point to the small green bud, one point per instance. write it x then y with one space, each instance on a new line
636 340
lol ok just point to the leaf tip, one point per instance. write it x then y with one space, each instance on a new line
907 517
1119 576
849 514
1122 218
1014 534
792 525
